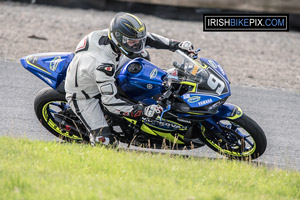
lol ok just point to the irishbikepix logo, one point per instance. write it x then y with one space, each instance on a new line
236 22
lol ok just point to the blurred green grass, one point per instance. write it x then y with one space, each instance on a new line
50 170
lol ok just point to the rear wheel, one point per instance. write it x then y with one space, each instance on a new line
49 102
241 138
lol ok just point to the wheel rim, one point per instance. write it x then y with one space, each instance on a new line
48 111
240 144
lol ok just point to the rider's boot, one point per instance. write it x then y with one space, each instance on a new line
192 137
102 136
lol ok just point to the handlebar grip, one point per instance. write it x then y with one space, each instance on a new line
178 66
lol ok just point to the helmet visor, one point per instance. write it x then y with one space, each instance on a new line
133 45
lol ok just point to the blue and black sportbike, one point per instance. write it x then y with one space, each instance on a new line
193 94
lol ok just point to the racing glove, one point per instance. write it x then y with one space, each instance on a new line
185 46
151 111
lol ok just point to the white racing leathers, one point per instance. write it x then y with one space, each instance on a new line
90 78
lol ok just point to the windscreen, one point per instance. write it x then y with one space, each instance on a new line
208 80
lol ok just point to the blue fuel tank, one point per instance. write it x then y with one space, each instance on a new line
141 80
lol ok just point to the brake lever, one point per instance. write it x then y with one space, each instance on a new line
168 108
197 50
195 56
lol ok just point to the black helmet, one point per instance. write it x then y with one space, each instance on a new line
128 33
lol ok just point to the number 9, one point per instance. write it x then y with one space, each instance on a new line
213 82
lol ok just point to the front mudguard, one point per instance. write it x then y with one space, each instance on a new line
229 111
225 112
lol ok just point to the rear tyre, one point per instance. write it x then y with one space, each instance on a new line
46 104
241 138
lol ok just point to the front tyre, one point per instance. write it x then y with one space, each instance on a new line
241 138
47 103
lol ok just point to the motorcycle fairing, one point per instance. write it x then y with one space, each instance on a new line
168 135
207 81
160 132
195 100
215 65
143 83
229 111
50 67
225 112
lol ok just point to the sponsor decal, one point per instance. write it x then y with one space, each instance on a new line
215 65
153 74
184 121
54 63
201 103
170 76
194 99
186 96
212 63
136 114
32 59
108 69
149 86
163 124
222 71
68 127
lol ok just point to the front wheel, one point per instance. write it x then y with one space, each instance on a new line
241 138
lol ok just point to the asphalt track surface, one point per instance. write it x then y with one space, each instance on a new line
276 111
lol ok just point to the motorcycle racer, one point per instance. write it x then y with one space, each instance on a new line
90 76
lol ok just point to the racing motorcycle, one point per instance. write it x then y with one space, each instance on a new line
193 94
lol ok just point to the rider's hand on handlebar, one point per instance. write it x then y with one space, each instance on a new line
187 47
153 111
